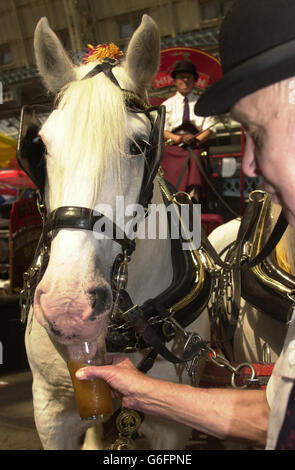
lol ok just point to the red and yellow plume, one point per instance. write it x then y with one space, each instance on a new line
101 51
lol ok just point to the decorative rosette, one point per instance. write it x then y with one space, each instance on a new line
101 51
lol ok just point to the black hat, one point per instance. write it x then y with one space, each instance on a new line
185 66
257 49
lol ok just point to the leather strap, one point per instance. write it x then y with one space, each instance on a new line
182 171
271 243
135 318
154 157
105 67
245 228
82 218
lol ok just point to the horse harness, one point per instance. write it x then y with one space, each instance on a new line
195 274
259 280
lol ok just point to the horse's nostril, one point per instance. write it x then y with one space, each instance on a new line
100 300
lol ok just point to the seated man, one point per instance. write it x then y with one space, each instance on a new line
183 127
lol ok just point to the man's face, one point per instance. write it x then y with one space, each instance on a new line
270 145
184 82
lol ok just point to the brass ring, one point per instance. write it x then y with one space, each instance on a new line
259 191
174 197
291 295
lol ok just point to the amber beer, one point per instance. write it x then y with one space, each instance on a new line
92 396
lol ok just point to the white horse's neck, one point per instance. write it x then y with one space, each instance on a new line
151 269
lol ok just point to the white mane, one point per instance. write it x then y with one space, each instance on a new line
94 130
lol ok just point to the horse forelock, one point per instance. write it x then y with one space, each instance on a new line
94 128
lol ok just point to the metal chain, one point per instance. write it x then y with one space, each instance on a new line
31 279
32 276
228 291
215 297
220 361
220 291
120 282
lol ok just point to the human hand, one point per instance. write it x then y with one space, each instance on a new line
125 381
188 139
177 139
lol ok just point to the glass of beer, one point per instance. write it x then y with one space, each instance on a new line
92 396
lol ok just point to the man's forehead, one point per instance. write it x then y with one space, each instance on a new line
251 109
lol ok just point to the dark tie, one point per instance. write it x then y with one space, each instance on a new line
185 118
286 439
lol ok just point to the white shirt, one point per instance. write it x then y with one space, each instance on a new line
280 385
174 113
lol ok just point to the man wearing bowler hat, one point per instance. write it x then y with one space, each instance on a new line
182 128
182 124
257 48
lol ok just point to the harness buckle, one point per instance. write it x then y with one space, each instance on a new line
194 346
133 314
176 197
40 205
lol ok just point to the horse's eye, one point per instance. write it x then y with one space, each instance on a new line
136 148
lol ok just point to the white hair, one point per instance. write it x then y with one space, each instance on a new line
94 130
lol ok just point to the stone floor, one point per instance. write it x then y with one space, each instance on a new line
17 427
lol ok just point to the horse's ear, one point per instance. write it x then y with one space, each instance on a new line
54 65
143 53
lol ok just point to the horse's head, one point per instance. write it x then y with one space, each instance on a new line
95 151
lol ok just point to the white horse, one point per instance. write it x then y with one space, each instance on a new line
89 162
256 328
